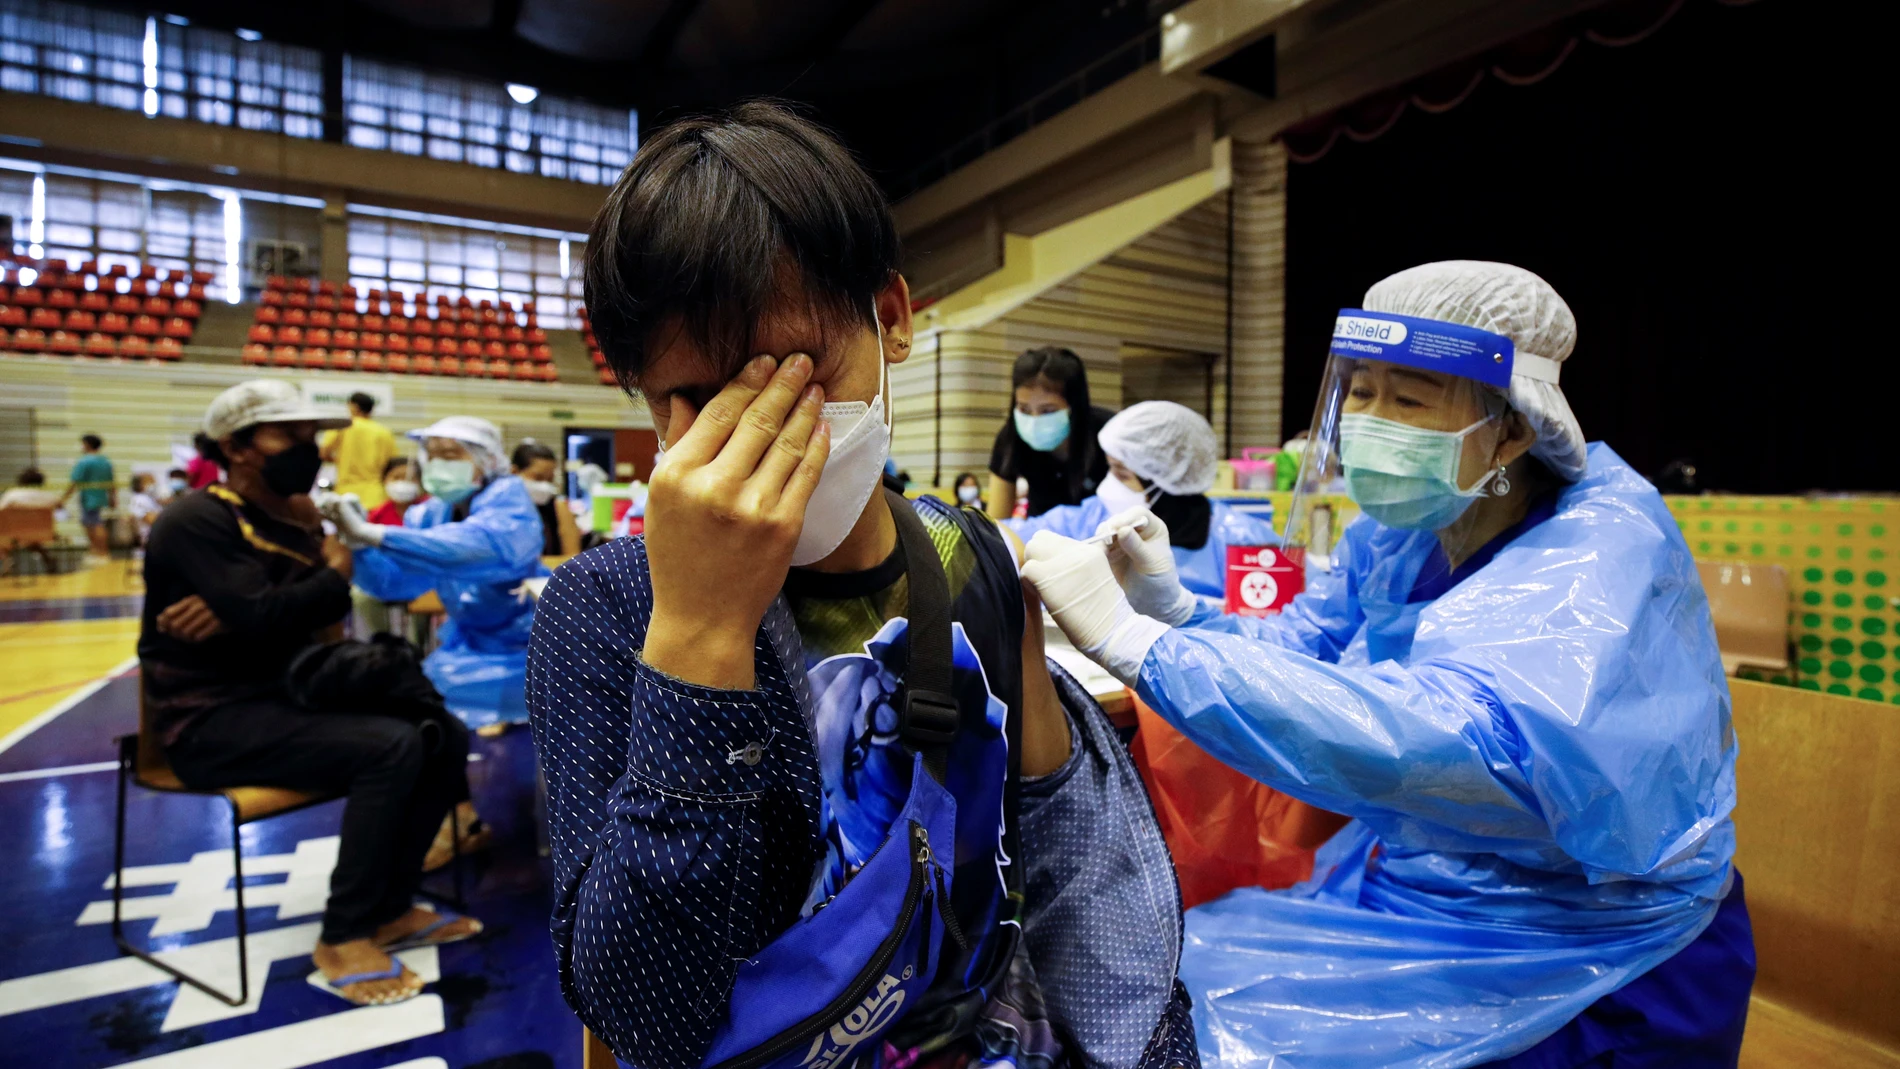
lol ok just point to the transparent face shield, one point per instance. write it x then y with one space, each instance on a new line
1408 424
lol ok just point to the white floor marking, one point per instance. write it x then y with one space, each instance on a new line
319 1039
75 698
201 888
63 770
214 962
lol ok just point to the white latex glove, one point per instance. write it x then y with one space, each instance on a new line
352 525
1145 566
1079 589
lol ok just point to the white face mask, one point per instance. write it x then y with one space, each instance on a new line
1119 497
401 491
968 494
540 492
860 443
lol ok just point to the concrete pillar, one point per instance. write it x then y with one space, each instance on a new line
1259 295
333 251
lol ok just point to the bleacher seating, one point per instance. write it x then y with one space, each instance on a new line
51 307
342 329
605 373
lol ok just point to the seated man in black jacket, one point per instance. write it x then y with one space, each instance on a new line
238 579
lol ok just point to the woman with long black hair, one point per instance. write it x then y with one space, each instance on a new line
1049 439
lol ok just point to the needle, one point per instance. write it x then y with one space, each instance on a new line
1109 536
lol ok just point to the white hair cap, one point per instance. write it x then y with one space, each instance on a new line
482 438
1513 302
1170 445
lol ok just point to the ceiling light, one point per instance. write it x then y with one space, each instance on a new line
523 94
249 35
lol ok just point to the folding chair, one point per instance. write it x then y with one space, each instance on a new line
142 761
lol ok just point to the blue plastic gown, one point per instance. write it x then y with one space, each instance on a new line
474 565
1538 756
1203 571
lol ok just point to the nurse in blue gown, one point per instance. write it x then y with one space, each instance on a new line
1163 457
1508 679
473 542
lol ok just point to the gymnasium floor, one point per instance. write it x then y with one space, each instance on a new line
68 686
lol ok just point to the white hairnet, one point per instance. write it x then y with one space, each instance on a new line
1513 302
482 438
1170 445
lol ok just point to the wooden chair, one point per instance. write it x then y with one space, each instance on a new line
1749 604
594 1053
142 761
26 528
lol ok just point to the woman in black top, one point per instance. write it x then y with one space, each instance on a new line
541 473
1049 439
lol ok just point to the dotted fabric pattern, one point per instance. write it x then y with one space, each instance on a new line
1840 555
663 876
1105 926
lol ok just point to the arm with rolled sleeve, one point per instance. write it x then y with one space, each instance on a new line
673 856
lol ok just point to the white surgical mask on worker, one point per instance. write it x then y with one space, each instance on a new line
539 491
860 443
401 491
1119 497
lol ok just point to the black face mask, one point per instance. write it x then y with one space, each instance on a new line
293 471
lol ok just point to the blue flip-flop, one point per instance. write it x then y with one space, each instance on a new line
336 986
420 937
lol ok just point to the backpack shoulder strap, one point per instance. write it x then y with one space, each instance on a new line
928 714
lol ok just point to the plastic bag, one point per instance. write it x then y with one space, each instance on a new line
1224 829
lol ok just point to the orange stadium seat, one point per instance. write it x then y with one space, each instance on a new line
371 341
495 350
499 368
29 340
317 337
12 316
178 327
523 372
169 349
115 323
348 320
422 344
470 348
607 377
101 345
254 353
189 307
399 343
514 334
449 365
343 360
369 362
26 296
518 351
296 316
469 330
420 326
343 339
196 291
284 356
156 306
269 314
373 321
135 348
320 317
95 301
397 362
271 299
314 358
542 353
147 325
45 318
290 335
423 364
80 321
297 299
276 283
62 299
126 303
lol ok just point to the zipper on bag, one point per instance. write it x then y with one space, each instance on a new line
798 1034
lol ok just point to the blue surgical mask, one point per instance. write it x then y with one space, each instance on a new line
451 480
1404 476
1045 432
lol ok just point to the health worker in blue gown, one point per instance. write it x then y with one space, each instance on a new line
1508 679
473 542
1163 457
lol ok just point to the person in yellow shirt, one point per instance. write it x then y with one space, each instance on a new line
360 452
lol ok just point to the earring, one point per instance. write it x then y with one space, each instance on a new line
900 343
1500 485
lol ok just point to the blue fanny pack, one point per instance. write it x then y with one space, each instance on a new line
833 986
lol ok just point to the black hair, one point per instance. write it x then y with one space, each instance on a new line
364 402
32 477
179 473
215 453
92 441
530 451
1062 369
962 475
719 216
1188 517
396 462
204 444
